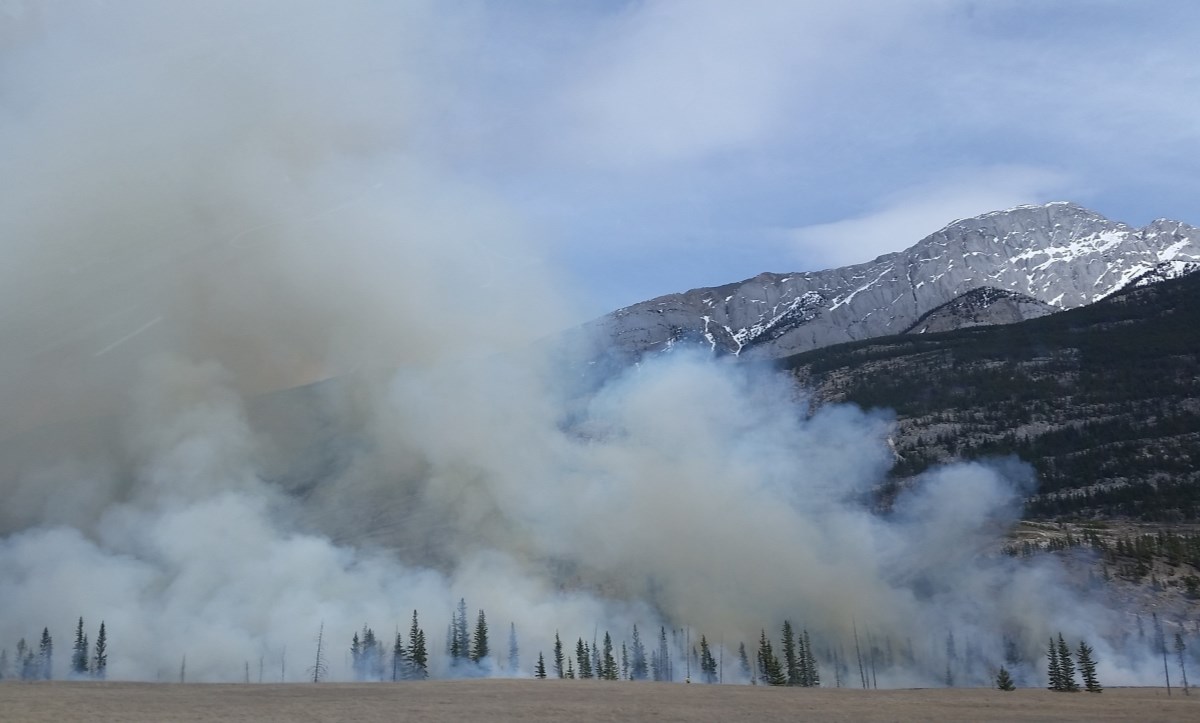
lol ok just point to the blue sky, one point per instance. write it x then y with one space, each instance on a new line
668 145
661 145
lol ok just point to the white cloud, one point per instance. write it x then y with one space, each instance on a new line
673 81
903 218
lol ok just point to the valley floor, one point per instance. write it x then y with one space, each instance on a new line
529 701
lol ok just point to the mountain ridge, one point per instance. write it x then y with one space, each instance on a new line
1059 253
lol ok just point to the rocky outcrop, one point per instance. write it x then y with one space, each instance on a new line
984 306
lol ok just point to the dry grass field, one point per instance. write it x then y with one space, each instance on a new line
529 701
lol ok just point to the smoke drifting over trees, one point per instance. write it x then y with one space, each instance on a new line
221 201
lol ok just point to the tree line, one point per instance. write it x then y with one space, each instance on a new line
795 658
37 663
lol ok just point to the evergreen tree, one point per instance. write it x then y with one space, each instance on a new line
583 657
597 661
1087 668
4 665
45 656
637 668
1160 644
808 667
368 653
79 657
100 654
708 664
608 669
401 665
460 636
1004 681
558 655
318 670
514 657
1180 649
801 662
570 669
1066 666
417 653
479 649
539 670
463 632
370 656
356 657
624 661
744 662
1053 669
26 661
665 673
790 661
770 671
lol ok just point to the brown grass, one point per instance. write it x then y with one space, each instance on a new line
529 701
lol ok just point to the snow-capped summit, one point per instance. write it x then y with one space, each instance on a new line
1060 254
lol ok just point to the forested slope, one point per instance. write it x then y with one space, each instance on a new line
1103 400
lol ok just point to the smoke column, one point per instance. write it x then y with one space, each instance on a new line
269 364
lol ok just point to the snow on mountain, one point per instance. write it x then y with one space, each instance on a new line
1059 254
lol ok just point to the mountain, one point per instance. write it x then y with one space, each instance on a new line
1059 255
1103 400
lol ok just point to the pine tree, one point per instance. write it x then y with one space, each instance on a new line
417 653
608 670
808 667
558 655
462 632
744 662
791 663
708 664
45 656
29 662
624 661
665 673
514 657
79 657
1053 669
637 668
539 671
479 649
318 669
1087 668
570 669
1066 666
370 656
1004 681
23 669
1160 644
1180 649
400 662
4 672
356 657
583 657
770 671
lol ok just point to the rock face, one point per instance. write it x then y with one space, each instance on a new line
985 306
1058 254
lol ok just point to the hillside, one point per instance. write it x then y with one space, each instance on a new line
1103 400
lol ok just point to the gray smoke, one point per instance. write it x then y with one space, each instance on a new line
209 203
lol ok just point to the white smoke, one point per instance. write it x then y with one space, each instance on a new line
209 203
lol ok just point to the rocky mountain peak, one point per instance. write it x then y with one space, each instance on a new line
1059 255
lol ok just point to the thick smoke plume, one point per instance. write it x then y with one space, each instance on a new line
269 365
